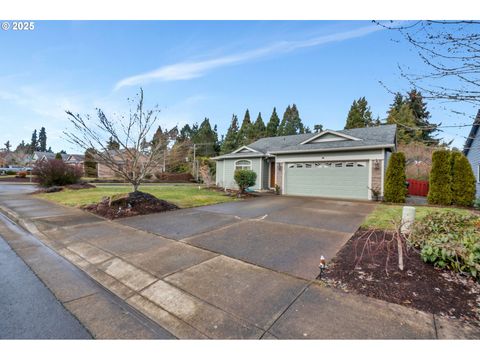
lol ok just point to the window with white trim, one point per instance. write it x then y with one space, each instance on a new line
338 164
350 164
243 165
478 173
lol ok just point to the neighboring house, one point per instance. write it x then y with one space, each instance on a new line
103 171
42 155
336 164
76 160
472 150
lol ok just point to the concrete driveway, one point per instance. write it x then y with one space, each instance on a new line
285 234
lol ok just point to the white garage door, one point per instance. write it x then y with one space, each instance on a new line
345 179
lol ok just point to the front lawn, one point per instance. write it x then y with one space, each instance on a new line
381 217
184 196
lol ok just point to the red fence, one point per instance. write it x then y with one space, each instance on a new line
417 187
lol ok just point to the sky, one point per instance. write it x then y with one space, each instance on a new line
198 69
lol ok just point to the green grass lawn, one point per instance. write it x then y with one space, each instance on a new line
184 196
383 214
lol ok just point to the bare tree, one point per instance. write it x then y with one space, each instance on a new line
451 52
136 156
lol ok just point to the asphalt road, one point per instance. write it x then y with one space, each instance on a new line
28 310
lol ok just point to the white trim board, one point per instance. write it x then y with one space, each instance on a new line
336 133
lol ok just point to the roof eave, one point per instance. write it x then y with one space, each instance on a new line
366 147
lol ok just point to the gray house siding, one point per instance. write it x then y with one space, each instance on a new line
225 178
473 157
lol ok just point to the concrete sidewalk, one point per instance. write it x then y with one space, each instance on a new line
195 293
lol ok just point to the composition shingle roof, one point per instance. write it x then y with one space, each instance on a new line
472 135
377 136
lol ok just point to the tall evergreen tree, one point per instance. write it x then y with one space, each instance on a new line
206 139
318 128
259 128
422 116
90 165
245 134
398 101
273 123
359 115
291 123
405 121
8 145
230 143
42 140
34 142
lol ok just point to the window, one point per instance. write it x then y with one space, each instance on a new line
361 164
308 166
299 165
350 164
243 165
338 164
291 166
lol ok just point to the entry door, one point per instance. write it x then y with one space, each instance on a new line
272 174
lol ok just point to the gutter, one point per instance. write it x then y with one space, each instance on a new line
391 146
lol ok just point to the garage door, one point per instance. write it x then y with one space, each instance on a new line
329 179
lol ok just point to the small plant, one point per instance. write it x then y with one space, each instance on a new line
449 240
277 189
375 193
476 203
244 179
56 173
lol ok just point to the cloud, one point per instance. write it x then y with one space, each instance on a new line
194 69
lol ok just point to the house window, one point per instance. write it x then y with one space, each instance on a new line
338 164
350 164
291 166
243 165
299 165
308 166
361 164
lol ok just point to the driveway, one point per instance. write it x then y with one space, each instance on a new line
285 234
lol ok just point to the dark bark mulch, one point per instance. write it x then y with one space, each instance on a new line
375 273
55 188
134 203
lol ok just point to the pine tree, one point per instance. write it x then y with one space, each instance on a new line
273 123
359 115
398 101
58 156
34 142
405 121
42 140
440 182
395 189
230 143
285 120
8 145
206 139
160 138
318 128
422 116
259 128
296 122
291 123
246 130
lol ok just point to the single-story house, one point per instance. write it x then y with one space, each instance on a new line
346 164
472 150
45 155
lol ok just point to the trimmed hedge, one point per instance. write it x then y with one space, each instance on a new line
463 181
440 184
395 179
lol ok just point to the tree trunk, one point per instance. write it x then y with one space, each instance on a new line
135 187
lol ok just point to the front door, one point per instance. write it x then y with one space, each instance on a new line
272 174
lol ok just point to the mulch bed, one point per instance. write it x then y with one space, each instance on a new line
134 203
375 273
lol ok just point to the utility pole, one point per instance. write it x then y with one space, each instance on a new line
195 162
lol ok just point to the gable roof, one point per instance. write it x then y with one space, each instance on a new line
330 135
382 136
472 135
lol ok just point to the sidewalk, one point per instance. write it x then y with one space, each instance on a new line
194 293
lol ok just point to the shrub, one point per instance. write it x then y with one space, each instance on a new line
463 181
244 179
476 203
449 240
10 172
56 173
440 187
21 174
395 189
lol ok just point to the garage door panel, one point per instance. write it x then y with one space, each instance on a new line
341 182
